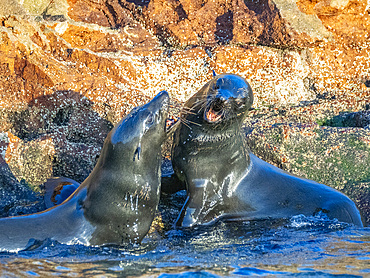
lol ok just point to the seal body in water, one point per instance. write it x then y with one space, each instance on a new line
225 180
116 204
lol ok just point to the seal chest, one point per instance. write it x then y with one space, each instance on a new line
224 179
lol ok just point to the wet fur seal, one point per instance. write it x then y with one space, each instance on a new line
224 180
116 204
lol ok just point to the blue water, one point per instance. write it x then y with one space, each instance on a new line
298 247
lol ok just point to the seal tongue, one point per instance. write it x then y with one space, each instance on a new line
212 115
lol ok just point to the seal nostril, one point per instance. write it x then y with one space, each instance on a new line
217 105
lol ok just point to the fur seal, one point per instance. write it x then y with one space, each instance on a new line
117 202
224 180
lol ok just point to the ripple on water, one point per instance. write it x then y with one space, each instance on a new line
301 247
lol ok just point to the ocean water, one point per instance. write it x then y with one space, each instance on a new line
297 247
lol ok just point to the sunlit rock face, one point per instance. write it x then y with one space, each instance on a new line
69 69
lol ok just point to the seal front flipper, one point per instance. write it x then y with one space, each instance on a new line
189 214
344 210
196 205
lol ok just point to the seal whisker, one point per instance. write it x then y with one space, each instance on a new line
184 122
204 104
189 122
189 112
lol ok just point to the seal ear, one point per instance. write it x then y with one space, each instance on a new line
137 153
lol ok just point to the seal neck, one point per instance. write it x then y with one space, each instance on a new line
200 139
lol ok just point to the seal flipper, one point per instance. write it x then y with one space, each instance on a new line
193 206
58 189
345 211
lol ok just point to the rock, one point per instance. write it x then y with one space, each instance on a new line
15 197
350 119
58 134
336 156
330 7
11 7
31 161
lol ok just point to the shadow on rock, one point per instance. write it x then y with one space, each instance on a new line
349 119
224 28
16 197
61 135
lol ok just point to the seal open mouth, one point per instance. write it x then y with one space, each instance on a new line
214 111
171 123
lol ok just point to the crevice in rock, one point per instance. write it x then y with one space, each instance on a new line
224 28
359 119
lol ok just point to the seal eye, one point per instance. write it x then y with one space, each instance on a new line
150 119
239 103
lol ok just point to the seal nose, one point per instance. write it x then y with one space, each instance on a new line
162 95
163 99
218 105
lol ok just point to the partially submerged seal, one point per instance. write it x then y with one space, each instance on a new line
224 179
116 204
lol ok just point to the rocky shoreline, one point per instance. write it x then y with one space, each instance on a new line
70 69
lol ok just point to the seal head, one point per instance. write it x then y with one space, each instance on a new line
228 97
223 101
